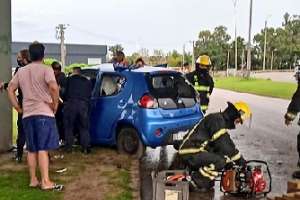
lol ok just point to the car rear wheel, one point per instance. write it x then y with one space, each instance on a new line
129 143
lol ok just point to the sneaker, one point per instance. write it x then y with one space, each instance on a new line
296 174
86 151
18 159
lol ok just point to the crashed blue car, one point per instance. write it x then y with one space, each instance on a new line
138 108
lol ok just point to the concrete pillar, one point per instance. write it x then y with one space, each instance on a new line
5 74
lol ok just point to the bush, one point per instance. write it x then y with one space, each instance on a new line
68 69
49 61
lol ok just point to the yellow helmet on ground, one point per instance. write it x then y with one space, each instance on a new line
244 109
204 61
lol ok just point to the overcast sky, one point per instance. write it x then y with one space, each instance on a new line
152 24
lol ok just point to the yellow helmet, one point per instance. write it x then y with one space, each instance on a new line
244 109
204 61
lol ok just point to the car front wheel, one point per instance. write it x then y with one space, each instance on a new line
129 143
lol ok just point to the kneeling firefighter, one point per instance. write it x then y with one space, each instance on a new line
208 148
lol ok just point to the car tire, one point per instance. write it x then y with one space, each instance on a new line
129 142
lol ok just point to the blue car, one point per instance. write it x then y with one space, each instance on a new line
139 108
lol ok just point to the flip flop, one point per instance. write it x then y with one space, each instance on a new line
55 187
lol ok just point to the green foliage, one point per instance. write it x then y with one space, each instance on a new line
174 59
215 44
14 186
284 42
49 61
131 59
68 69
257 86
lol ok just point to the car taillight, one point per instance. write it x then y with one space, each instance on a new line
147 101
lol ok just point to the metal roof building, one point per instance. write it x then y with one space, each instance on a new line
76 53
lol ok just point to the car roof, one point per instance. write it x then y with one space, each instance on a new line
108 67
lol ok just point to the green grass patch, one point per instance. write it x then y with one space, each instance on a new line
257 86
112 175
14 186
121 180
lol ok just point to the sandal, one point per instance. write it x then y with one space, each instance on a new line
55 187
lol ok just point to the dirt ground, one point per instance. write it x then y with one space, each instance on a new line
102 175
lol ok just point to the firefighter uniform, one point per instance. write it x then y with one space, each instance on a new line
202 81
292 112
207 148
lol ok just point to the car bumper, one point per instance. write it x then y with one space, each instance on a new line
157 131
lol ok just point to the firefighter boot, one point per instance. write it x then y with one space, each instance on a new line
200 183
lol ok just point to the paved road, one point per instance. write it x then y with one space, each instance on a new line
276 76
267 139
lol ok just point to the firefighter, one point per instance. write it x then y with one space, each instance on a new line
208 148
292 111
202 81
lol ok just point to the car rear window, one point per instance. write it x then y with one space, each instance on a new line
171 91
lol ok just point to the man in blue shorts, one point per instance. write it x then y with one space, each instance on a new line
40 102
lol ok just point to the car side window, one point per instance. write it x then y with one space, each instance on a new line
111 84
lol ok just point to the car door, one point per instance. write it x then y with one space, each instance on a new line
106 106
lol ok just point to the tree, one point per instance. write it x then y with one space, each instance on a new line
174 59
215 45
134 56
241 47
49 61
115 48
157 58
284 42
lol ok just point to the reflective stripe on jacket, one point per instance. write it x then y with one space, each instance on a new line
210 135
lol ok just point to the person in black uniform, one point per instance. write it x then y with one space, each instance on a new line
208 148
76 109
23 59
202 81
61 82
292 112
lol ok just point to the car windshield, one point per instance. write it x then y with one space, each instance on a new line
171 91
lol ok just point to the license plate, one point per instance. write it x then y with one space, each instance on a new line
179 136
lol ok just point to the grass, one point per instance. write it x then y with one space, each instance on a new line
257 86
122 179
14 177
13 186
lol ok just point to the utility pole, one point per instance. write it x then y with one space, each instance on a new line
183 52
193 56
235 38
249 41
272 57
60 35
243 59
227 66
265 47
5 75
